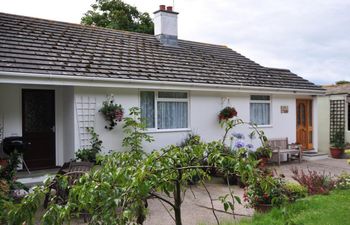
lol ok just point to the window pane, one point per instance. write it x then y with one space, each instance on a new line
172 115
260 97
172 95
260 113
147 108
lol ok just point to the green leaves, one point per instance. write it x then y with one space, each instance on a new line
118 15
134 128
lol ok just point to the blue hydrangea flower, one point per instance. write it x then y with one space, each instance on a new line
239 136
239 144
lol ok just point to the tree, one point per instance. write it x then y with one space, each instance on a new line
118 15
341 82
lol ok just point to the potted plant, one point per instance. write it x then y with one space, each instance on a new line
112 112
263 153
227 113
337 145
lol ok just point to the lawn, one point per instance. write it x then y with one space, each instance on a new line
330 209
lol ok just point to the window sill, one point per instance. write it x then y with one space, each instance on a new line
150 131
262 126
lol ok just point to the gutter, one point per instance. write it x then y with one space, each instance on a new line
50 79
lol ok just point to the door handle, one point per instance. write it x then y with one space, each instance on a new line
53 129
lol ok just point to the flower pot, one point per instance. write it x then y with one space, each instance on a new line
336 152
3 163
263 208
263 162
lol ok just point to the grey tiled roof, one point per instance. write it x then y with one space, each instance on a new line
338 89
31 45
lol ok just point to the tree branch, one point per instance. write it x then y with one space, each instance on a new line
221 211
166 209
163 199
211 202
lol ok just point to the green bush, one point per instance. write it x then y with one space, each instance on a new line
89 154
295 191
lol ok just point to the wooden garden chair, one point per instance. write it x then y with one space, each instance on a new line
73 171
280 146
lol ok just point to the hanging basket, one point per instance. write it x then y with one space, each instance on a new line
227 113
113 113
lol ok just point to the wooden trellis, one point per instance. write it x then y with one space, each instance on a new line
85 111
337 117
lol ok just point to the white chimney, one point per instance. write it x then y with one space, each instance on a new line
165 25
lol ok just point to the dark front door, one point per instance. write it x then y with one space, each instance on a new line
38 118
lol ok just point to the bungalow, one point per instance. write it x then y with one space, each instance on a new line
54 77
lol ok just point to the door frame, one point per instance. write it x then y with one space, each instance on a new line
54 101
309 121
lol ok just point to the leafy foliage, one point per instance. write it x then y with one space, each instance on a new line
294 191
18 213
134 128
89 154
265 189
338 141
118 15
8 173
263 152
341 82
117 191
316 183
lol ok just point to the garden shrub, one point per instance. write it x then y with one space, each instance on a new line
266 189
315 182
89 154
343 181
295 191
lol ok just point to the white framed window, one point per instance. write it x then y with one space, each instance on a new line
165 110
260 110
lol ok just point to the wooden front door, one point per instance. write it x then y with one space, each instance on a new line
38 127
304 123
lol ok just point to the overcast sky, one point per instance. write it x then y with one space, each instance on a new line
309 37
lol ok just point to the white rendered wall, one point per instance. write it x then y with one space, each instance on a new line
204 108
11 109
68 123
323 123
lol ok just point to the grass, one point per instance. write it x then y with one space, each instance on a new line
333 209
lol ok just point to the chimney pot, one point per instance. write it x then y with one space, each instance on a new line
162 7
169 8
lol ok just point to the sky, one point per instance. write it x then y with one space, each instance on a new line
311 38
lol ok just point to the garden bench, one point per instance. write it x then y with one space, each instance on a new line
280 146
